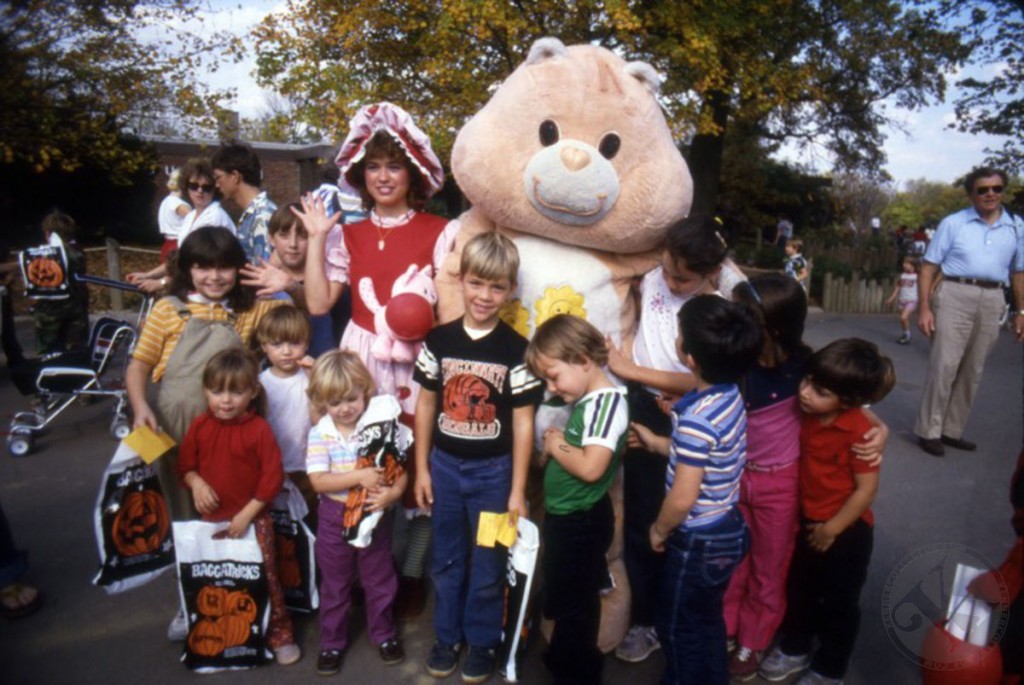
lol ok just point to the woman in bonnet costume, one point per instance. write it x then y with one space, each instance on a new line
389 160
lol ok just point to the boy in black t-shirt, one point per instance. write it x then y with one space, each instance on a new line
474 435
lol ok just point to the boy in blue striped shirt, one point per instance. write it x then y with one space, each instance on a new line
699 527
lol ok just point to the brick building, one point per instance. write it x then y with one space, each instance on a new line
288 170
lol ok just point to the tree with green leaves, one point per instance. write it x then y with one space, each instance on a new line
993 102
818 72
75 76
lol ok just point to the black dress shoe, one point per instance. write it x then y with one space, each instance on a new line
932 446
328 662
959 443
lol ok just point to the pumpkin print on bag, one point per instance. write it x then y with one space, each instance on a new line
141 524
206 638
287 562
45 272
465 399
212 601
227 620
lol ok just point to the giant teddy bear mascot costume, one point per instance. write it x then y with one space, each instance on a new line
573 159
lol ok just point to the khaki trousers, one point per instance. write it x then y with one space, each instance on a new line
966 328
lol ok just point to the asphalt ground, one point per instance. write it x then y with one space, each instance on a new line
81 635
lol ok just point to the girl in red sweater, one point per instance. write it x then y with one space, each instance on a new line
230 462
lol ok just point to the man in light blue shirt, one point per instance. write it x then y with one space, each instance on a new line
975 250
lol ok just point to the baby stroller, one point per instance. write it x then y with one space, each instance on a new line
96 371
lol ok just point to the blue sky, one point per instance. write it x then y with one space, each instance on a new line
927 149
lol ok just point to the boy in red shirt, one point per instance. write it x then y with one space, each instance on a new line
830 563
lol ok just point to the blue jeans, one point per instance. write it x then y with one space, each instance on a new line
689 619
469 580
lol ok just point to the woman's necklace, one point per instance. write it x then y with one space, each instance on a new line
383 224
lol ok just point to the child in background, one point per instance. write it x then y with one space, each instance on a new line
569 353
63 324
283 335
342 390
906 291
207 310
755 601
796 264
833 548
700 528
231 464
690 264
474 436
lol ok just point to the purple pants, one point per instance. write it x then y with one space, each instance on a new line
339 564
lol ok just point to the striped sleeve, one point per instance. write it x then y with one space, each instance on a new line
526 388
605 420
318 459
427 372
153 337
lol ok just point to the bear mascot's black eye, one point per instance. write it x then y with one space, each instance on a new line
609 145
548 133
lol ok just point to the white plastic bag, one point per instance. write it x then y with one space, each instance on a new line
224 595
132 522
522 562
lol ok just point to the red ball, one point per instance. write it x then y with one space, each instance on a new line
409 316
945 660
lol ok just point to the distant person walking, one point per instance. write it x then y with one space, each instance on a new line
974 250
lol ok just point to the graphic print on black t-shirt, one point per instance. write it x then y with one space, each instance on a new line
470 389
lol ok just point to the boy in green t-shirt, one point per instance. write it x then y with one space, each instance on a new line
569 353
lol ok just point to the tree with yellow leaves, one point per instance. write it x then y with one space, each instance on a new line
817 72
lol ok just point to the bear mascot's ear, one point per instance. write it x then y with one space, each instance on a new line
645 74
546 48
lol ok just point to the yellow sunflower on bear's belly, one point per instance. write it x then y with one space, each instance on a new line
561 300
517 316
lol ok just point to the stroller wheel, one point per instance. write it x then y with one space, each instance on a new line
19 444
120 429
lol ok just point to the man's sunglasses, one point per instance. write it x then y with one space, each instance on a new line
985 190
202 187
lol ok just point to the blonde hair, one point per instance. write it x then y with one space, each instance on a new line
283 324
492 256
235 370
336 375
569 339
174 181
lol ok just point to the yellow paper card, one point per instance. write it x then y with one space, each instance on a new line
487 529
149 444
495 527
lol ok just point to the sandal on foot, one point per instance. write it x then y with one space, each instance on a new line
17 600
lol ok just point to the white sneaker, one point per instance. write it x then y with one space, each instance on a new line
286 655
640 642
812 678
178 630
778 665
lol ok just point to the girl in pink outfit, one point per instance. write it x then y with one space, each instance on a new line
755 601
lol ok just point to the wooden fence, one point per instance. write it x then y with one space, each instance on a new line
856 296
108 261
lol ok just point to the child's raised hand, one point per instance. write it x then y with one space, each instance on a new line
313 216
820 537
204 496
268 278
